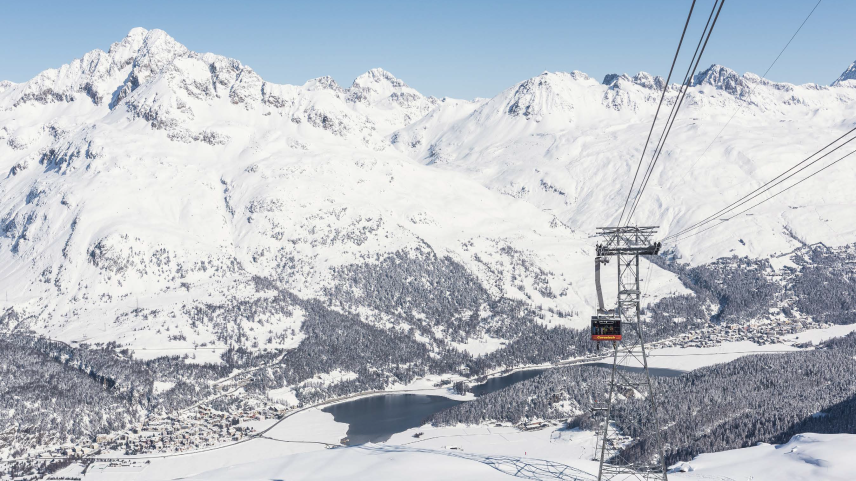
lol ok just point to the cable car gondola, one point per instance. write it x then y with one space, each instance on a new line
606 325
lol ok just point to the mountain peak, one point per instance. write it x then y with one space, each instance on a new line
847 78
642 79
377 75
611 78
124 51
380 88
160 47
722 78
323 83
156 50
541 95
137 33
714 73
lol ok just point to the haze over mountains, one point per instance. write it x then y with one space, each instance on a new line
139 184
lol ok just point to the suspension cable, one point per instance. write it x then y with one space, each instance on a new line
651 130
769 198
760 190
679 102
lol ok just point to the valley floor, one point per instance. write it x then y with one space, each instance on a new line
297 447
465 453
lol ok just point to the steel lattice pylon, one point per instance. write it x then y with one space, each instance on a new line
627 244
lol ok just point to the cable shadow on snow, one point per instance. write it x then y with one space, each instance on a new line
528 468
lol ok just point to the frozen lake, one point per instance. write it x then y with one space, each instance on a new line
376 418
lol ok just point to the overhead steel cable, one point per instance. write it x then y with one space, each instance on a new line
670 119
681 91
650 131
763 188
771 197
679 102
752 89
743 105
757 192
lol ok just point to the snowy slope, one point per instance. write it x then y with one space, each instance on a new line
150 179
570 145
501 453
805 457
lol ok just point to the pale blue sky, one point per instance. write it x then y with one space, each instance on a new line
461 49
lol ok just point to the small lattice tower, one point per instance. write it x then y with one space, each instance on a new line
629 376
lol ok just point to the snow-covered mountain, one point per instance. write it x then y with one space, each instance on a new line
848 78
570 145
141 183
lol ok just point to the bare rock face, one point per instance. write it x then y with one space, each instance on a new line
847 78
723 78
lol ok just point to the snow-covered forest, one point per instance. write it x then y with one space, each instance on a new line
760 398
101 388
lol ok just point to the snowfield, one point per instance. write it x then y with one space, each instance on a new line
805 457
570 145
465 453
815 457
